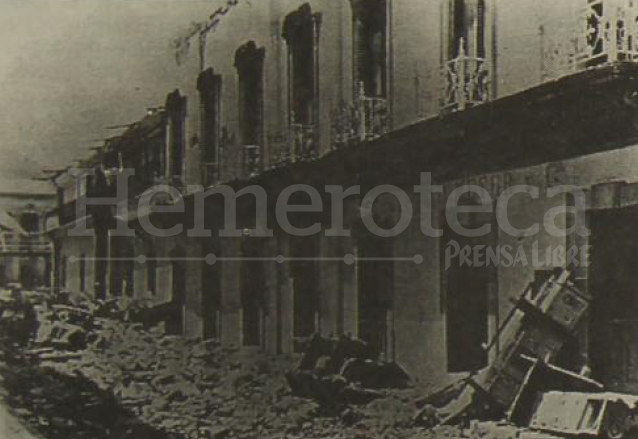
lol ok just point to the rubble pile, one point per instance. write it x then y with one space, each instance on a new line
343 371
198 389
55 405
92 367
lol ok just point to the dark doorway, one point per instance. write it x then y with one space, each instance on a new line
30 222
151 272
175 325
252 291
299 33
376 290
82 263
305 283
211 292
123 268
370 23
613 285
466 299
28 273
101 261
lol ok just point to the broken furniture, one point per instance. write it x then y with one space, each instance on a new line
609 415
543 320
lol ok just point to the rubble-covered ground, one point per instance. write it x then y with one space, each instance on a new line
87 373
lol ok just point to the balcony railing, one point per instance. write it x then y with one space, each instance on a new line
252 160
302 142
210 174
366 120
24 244
602 32
372 116
466 82
297 144
279 148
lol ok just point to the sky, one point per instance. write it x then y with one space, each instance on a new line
70 68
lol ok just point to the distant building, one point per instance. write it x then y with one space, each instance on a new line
25 250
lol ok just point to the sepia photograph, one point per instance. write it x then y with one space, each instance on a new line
318 219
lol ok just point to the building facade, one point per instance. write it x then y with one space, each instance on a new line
25 250
373 93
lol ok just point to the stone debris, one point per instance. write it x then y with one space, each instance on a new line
56 405
342 371
199 389
161 386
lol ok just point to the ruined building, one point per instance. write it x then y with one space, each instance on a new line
370 93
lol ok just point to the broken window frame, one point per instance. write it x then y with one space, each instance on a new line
301 30
176 135
249 63
466 28
209 86
369 19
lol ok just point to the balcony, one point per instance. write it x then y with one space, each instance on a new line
279 149
23 245
371 116
252 160
297 144
210 173
466 82
302 143
602 32
366 120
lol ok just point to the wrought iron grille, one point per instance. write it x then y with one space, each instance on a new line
302 142
252 162
27 244
603 32
466 82
279 148
209 173
366 120
344 126
608 32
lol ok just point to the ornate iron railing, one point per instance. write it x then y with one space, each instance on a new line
24 244
279 148
602 32
465 82
366 120
371 114
608 32
302 142
209 174
344 125
252 160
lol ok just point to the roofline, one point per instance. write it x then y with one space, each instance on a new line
34 194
